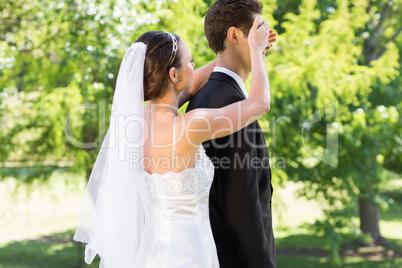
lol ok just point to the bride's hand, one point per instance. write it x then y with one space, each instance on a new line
258 38
271 38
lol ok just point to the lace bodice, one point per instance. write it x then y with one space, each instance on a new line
191 181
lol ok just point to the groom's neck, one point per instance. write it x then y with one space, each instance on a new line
232 62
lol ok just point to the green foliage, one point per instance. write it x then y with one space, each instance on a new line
322 63
58 67
334 74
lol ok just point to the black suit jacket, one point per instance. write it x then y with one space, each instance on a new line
240 196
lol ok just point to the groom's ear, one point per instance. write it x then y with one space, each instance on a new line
233 35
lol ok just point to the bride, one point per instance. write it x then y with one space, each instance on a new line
146 203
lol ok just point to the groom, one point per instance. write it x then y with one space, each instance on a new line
240 196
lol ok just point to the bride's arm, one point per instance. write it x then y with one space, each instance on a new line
200 78
206 124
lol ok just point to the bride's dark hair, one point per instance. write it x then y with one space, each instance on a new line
158 62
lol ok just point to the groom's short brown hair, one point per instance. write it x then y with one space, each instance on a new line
224 14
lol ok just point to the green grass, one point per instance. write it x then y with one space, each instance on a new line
44 253
301 240
37 224
39 254
308 252
319 262
293 231
39 208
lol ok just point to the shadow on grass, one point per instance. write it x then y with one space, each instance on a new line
314 262
307 250
57 250
300 241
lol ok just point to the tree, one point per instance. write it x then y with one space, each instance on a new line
58 67
335 59
334 76
59 62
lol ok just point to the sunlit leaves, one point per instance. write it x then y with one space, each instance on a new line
321 58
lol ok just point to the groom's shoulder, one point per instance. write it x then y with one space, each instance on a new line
214 93
215 88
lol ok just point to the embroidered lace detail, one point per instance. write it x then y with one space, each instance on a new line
190 181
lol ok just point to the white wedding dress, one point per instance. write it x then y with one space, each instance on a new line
133 219
177 228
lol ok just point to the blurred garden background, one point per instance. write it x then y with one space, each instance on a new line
334 132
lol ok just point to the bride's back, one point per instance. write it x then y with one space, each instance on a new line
160 143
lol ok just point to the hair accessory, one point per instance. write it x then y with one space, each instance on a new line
174 48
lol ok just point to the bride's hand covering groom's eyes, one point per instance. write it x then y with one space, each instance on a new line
271 36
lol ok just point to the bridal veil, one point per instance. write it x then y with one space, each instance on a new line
112 219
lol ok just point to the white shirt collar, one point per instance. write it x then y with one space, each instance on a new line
235 76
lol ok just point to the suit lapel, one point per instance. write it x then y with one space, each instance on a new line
228 79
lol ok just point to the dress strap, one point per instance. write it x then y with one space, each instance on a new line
174 144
